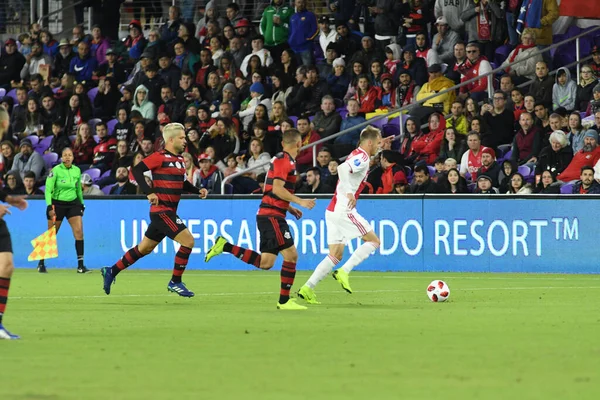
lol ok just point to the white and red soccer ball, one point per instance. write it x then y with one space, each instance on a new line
438 291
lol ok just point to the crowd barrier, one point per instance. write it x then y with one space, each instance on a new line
420 233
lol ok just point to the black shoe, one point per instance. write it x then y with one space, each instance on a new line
42 269
83 270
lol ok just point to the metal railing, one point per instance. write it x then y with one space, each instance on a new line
489 75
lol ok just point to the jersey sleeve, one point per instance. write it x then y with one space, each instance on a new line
50 182
153 161
358 163
281 168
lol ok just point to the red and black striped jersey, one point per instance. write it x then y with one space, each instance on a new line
168 178
282 167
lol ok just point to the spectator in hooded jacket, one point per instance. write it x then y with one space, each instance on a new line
142 103
426 147
11 64
564 91
436 84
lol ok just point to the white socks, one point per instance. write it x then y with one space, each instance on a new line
360 255
322 270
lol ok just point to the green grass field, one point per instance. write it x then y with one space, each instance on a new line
498 337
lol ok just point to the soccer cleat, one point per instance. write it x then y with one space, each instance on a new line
4 334
83 270
180 289
308 295
108 278
42 269
290 305
343 278
216 249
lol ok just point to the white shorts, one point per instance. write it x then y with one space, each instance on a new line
342 227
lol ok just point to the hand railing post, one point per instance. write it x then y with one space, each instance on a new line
577 57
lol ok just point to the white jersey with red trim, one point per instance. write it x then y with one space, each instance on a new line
352 177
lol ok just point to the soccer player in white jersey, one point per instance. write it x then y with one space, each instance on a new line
344 223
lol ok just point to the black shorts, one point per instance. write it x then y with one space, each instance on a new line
275 234
66 210
5 241
164 224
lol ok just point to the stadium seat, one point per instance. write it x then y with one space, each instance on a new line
502 53
43 188
13 94
92 94
94 173
106 174
378 123
2 92
44 144
55 90
507 155
525 171
343 113
471 187
294 119
106 189
34 140
92 123
390 130
228 188
567 188
110 126
96 138
50 160
431 170
72 138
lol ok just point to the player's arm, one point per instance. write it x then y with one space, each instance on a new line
190 188
138 175
50 182
79 190
280 191
17 201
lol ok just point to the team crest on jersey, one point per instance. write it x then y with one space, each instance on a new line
287 235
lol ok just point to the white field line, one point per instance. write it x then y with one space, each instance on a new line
453 275
270 293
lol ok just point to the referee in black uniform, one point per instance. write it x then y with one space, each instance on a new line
6 256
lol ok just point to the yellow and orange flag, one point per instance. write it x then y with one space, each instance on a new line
44 246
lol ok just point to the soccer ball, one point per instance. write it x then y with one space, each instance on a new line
438 291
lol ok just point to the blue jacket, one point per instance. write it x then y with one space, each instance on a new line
303 31
83 68
594 189
352 136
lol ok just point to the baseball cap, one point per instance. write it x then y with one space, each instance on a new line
324 19
135 24
147 54
400 178
86 179
441 21
433 68
204 156
164 120
111 51
10 41
242 23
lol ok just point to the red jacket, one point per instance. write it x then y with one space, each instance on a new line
368 102
471 71
84 153
305 157
104 152
580 159
428 145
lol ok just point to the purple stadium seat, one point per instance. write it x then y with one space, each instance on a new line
55 90
106 174
44 144
343 113
507 155
567 188
310 119
43 188
94 173
390 130
92 123
96 138
92 94
502 53
378 123
471 187
431 170
110 126
72 138
50 159
2 92
525 171
293 119
34 140
106 189
13 94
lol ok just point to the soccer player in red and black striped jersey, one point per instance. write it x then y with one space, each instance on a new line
169 183
275 235
6 254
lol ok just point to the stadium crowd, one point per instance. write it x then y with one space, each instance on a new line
237 86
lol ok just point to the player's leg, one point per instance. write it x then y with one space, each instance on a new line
186 240
56 223
287 276
76 222
131 256
6 271
223 246
356 226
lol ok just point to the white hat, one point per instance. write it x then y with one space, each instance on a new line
441 21
339 61
86 179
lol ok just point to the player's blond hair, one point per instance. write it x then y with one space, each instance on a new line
369 133
171 130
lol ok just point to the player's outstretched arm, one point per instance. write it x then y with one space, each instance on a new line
17 201
280 191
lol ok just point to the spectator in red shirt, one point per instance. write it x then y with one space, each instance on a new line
83 147
104 151
586 157
305 159
428 146
366 95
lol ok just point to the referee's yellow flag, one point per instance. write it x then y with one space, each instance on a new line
44 246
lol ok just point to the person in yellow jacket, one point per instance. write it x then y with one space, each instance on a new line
458 120
437 83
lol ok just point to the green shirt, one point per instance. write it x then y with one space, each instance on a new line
64 184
